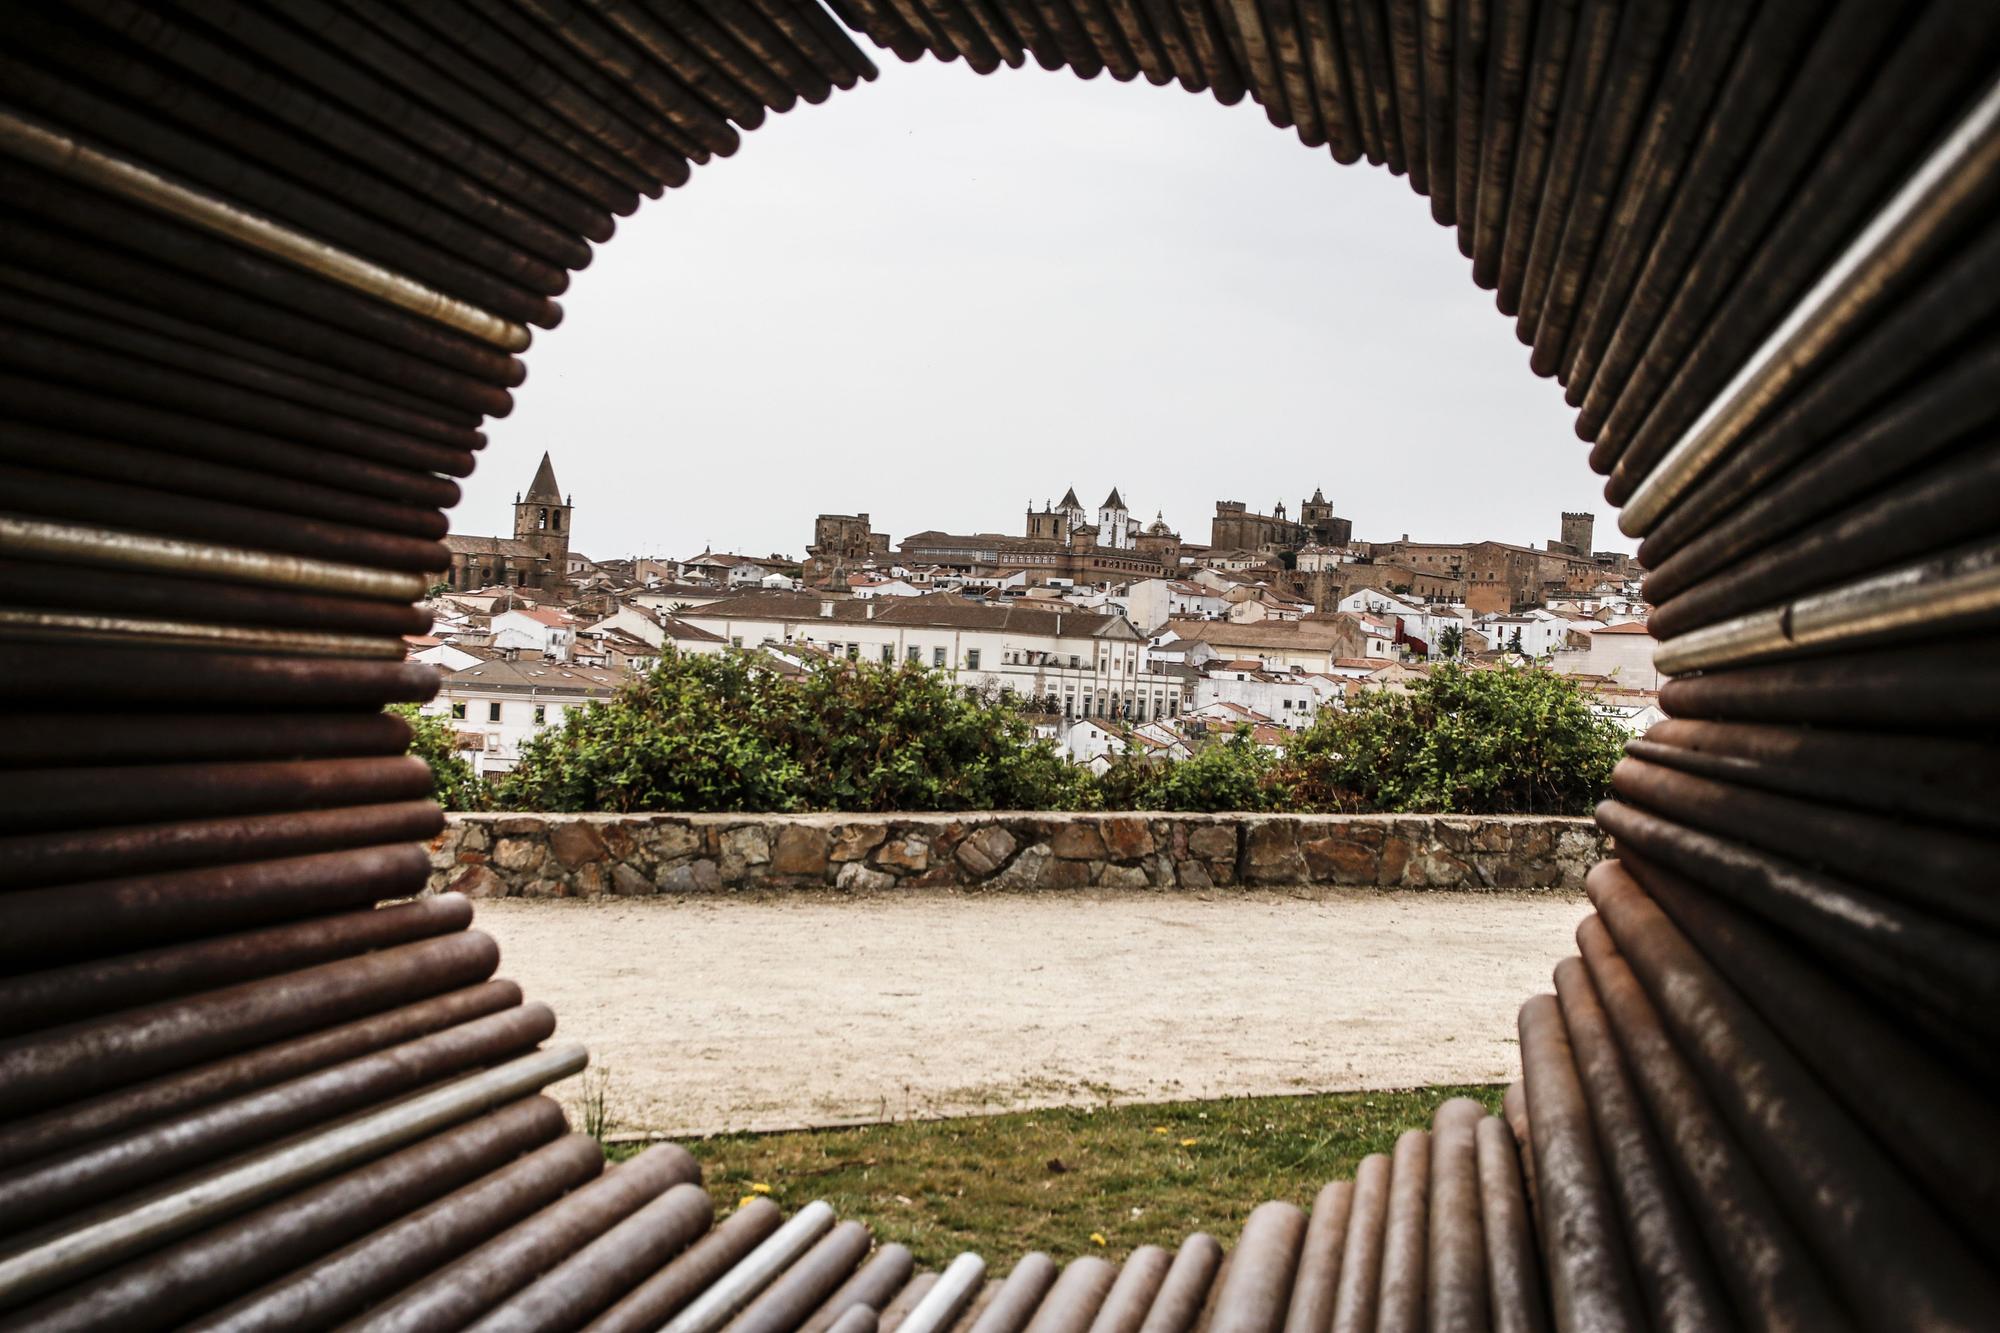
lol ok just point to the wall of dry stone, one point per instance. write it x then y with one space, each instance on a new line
561 856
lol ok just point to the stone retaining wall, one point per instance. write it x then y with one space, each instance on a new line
561 856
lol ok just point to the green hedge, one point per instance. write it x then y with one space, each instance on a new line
717 733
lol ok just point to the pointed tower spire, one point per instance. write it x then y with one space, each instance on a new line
543 489
1112 501
1069 500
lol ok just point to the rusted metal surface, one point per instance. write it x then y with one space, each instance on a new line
263 274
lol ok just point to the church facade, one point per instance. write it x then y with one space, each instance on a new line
536 556
1061 541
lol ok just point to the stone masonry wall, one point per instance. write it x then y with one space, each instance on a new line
562 856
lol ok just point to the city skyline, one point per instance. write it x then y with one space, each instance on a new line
926 345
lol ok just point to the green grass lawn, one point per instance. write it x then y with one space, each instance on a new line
1069 1181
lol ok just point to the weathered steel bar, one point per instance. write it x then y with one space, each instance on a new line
1772 1281
1541 102
1132 1293
1456 1292
872 1285
1666 1250
1919 1109
905 1302
136 738
1251 1297
1182 1292
1947 688
1896 1262
138 1104
1941 872
453 1296
1927 779
1019 1296
650 1304
49 926
43 1191
1310 1309
1589 1270
158 1290
1358 1295
1400 1299
798 1291
43 587
1513 1273
1927 965
1075 1298
948 1298
33 1000
56 798
857 1319
740 1285
274 1172
342 1284
593 1277
42 1069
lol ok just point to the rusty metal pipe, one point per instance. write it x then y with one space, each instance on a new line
69 798
798 1291
453 1296
663 1295
1400 1298
45 1068
33 1000
605 1269
50 926
1251 1297
1075 1298
344 1283
1590 1276
1185 1288
1680 1289
1456 1291
1132 1293
158 1290
944 1304
128 738
1015 1303
139 1104
1513 1267
1359 1294
1895 1262
42 1191
1310 1309
875 1282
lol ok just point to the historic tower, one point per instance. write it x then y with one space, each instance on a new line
1578 531
541 519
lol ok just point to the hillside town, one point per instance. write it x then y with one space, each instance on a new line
1114 634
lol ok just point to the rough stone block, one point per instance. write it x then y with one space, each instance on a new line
985 850
800 850
1213 842
1124 877
853 842
517 855
1271 853
1126 838
626 880
855 875
478 882
690 877
1026 870
576 842
670 841
1340 859
909 854
1077 840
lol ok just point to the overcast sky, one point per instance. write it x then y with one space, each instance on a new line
939 297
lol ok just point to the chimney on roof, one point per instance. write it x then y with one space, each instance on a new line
826 610
869 607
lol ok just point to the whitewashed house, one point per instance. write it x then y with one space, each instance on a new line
497 706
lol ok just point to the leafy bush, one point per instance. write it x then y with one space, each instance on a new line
434 740
702 733
1505 741
1237 775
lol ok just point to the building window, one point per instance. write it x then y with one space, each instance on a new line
854 652
915 656
888 654
541 715
937 657
493 712
736 641
972 659
458 711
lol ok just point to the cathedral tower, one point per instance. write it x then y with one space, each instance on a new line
542 519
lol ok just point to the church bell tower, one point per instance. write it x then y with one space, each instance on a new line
542 519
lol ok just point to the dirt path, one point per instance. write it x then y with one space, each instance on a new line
754 1014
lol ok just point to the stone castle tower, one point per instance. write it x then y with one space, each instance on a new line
542 519
1578 532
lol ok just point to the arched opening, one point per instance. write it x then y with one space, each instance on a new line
268 272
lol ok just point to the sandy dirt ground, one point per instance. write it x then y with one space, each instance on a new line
707 1015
